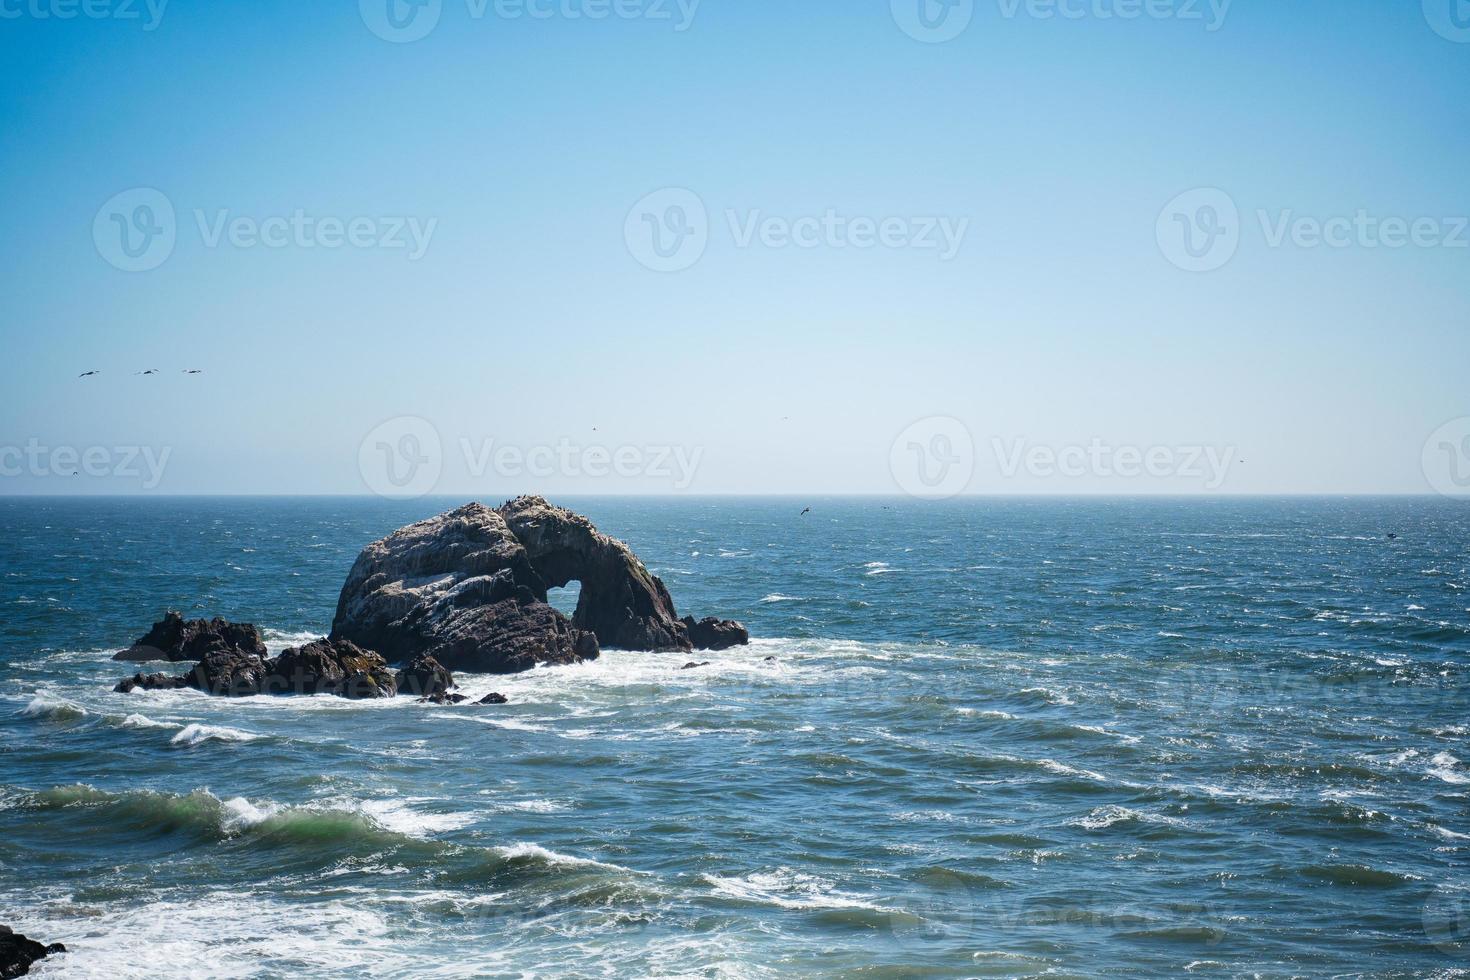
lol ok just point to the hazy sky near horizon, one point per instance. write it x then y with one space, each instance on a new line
1061 248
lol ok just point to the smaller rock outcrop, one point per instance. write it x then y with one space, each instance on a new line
232 663
494 697
18 952
150 682
695 665
325 666
228 673
179 640
715 634
424 677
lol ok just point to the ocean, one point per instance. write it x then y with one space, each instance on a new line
985 737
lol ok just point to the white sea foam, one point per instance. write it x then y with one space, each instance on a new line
788 889
143 721
197 734
528 849
44 704
401 816
1103 817
1446 768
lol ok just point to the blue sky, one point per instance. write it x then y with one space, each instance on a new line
519 147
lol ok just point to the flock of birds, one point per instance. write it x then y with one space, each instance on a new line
88 374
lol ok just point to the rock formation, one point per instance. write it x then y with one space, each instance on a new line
337 667
469 588
230 669
715 634
621 602
424 677
17 953
179 640
466 591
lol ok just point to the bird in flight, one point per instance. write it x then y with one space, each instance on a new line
192 371
149 371
806 512
88 374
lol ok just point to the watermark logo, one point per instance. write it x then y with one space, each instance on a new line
944 912
1447 922
676 465
405 21
933 459
668 230
933 21
1449 18
135 230
143 464
400 21
406 233
1362 230
149 12
1211 13
1207 465
1446 458
1199 231
402 458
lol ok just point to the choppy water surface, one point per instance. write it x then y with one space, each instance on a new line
997 738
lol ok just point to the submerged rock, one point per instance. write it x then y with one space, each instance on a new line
469 589
715 634
693 665
150 682
494 697
179 640
18 952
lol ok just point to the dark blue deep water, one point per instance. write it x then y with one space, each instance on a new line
998 738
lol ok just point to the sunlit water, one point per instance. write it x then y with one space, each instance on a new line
997 738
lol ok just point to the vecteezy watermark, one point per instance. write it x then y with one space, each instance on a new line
1447 921
1363 230
137 230
404 458
401 458
933 459
301 230
149 13
1446 458
404 21
937 21
1207 465
142 463
1450 19
933 21
676 464
1210 13
1201 230
669 230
